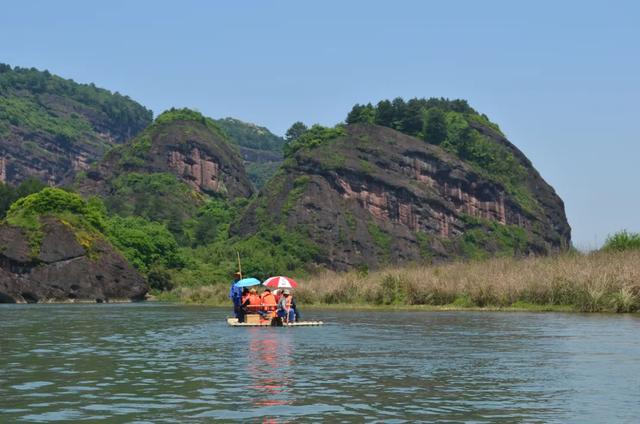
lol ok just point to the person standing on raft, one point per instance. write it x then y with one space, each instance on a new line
235 294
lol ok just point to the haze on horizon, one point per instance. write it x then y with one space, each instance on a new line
561 79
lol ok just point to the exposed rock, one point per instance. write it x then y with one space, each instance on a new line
63 270
195 152
377 196
60 126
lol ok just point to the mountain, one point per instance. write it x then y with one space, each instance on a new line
260 148
166 172
50 126
368 195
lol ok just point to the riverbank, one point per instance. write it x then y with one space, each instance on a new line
594 282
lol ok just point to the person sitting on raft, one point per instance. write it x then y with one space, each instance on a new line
251 303
285 310
269 304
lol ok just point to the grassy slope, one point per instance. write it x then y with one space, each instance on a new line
39 102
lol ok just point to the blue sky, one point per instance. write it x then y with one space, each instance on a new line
562 79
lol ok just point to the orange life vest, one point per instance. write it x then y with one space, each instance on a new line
269 302
254 302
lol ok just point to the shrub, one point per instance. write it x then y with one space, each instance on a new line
145 244
622 240
313 137
54 201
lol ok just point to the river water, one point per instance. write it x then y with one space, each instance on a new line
159 363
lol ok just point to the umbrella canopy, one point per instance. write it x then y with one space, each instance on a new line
280 283
247 282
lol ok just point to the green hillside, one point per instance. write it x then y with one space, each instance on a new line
50 125
260 148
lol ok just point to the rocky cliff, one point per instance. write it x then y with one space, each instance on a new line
63 268
182 143
370 195
51 127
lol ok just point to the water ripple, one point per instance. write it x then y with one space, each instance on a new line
172 364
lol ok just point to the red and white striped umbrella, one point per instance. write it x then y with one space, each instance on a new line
280 283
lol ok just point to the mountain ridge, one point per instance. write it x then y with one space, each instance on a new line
51 127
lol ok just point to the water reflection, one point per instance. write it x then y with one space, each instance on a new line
269 362
171 364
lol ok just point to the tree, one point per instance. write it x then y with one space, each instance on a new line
435 126
412 121
361 113
399 110
384 113
295 131
8 195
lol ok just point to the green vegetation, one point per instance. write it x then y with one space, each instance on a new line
145 244
206 255
260 172
381 239
266 155
315 136
9 194
406 117
148 246
299 186
250 135
85 216
484 238
186 114
31 99
272 251
622 240
435 126
448 123
160 197
424 246
295 131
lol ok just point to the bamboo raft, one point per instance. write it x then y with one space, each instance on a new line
234 323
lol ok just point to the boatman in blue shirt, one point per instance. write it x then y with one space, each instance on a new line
235 294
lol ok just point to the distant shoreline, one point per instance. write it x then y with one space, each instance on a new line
607 282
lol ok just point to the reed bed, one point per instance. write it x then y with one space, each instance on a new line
595 282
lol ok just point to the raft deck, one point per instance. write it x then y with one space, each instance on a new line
234 323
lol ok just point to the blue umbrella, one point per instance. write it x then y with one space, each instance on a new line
247 282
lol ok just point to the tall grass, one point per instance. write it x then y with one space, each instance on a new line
596 282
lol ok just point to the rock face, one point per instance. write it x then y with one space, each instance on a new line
376 196
193 150
64 270
51 127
